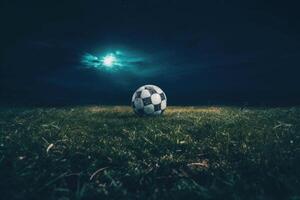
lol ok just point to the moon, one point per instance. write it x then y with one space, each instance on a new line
109 60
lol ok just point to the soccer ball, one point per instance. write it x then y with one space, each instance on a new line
149 100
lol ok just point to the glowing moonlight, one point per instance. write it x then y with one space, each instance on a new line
109 60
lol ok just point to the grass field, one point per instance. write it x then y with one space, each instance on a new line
189 152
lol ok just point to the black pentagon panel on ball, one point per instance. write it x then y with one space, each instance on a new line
157 107
138 94
151 90
162 96
147 101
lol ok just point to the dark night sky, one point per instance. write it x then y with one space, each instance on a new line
198 52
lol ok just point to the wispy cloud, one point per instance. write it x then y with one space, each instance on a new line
122 62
